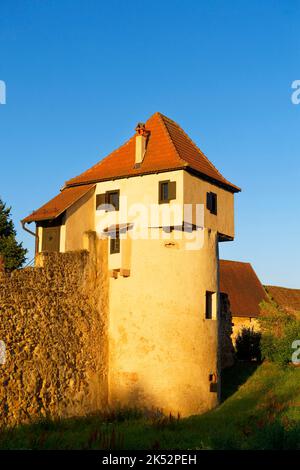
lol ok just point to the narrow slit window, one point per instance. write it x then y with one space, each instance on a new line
115 244
209 305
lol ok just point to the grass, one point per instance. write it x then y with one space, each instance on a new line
261 410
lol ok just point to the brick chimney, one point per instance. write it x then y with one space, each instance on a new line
140 143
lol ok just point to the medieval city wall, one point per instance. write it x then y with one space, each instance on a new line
53 320
66 356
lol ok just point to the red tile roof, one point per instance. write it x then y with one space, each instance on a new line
287 298
245 291
168 148
59 203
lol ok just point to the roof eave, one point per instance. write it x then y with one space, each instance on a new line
69 183
229 187
31 217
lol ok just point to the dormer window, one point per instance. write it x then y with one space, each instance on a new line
211 203
166 191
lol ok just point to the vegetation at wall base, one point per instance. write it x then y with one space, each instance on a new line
247 345
263 413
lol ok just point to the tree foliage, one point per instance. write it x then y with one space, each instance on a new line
13 253
247 345
279 330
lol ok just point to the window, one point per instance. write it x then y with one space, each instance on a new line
100 200
166 191
115 244
211 202
110 197
208 305
51 239
113 199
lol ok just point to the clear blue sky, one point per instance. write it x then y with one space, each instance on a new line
80 74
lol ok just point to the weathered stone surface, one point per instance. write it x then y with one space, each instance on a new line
53 321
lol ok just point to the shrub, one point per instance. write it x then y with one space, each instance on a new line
279 330
247 345
12 252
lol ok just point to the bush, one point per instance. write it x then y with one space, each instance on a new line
247 345
279 330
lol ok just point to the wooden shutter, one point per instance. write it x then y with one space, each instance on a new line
100 199
117 200
208 201
214 208
172 190
51 239
212 202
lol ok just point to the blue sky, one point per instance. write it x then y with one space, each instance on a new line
81 74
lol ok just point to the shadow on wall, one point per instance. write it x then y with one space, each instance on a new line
137 392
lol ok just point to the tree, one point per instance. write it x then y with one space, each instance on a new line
13 253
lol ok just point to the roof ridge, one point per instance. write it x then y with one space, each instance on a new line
283 287
196 147
234 261
162 117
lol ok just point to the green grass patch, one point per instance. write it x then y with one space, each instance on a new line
261 410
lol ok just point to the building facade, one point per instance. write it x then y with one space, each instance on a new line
164 209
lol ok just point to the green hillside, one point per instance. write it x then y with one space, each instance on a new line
261 413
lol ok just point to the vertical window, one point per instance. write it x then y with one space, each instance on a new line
208 305
166 191
115 244
211 203
100 200
164 196
113 199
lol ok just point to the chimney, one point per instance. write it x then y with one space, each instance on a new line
140 143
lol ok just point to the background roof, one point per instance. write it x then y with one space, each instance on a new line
286 298
240 282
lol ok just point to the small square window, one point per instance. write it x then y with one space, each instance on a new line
209 305
115 244
166 191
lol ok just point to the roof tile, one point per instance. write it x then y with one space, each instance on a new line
59 203
245 291
168 148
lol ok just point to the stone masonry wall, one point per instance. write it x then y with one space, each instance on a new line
53 322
